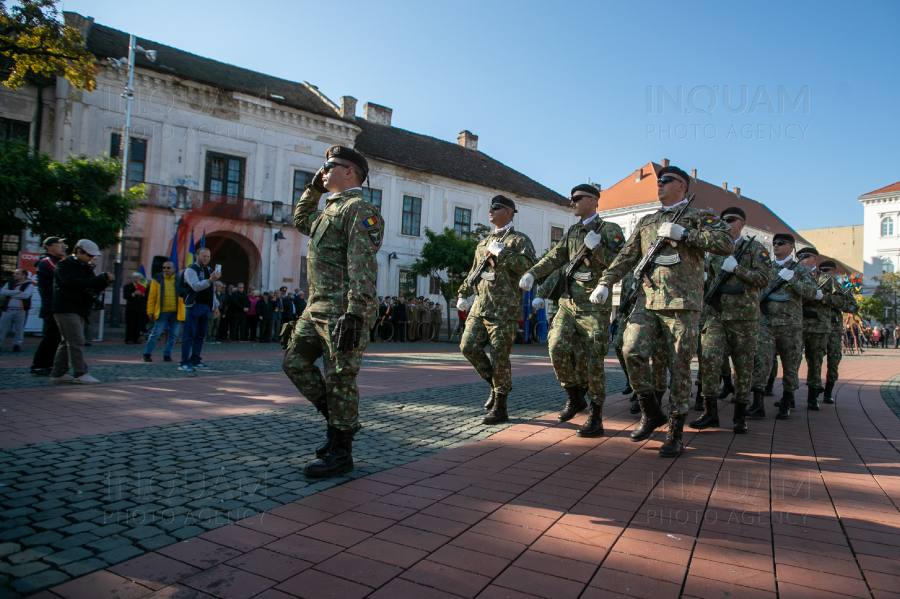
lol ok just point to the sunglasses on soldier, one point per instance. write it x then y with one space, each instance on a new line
731 219
498 206
827 269
668 179
802 257
780 242
330 165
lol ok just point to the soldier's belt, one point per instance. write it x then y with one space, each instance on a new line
779 297
810 313
584 277
670 260
733 289
488 276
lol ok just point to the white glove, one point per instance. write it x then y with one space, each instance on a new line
705 276
592 239
819 294
670 231
730 264
537 303
786 274
462 304
599 295
527 281
495 247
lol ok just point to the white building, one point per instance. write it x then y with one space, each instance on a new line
226 152
881 233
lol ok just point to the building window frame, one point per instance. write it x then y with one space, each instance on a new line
137 147
411 222
887 226
9 255
462 220
887 265
299 184
408 283
15 130
556 234
227 184
373 196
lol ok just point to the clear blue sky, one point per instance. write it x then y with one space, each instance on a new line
558 90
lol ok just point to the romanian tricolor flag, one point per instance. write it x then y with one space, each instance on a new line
191 253
370 221
709 220
142 285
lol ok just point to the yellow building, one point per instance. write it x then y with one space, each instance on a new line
844 244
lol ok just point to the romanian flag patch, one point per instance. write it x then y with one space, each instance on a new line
618 240
764 255
370 221
709 220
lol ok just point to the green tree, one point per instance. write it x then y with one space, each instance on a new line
888 291
448 258
76 199
37 42
870 307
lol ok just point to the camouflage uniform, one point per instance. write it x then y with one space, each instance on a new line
835 339
817 327
343 240
579 320
579 351
494 317
659 361
733 331
781 330
673 303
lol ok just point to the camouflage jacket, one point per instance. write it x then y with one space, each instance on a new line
817 313
785 306
626 283
343 240
678 286
587 274
548 287
740 296
850 304
497 291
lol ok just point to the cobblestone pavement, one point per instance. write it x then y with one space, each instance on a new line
72 507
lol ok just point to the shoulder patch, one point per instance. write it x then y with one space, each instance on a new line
370 221
764 255
618 240
709 220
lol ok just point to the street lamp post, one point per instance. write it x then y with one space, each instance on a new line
128 94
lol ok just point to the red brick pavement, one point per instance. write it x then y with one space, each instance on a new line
804 508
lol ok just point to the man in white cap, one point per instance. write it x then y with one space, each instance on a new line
75 286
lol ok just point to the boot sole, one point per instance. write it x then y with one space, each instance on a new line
574 414
498 421
590 434
780 417
673 454
742 431
757 415
828 401
653 428
337 472
705 426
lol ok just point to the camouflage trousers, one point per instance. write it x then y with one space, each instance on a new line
720 339
834 352
679 330
336 392
659 361
816 345
785 341
587 332
499 335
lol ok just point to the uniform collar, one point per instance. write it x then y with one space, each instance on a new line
347 193
588 220
674 206
783 262
508 226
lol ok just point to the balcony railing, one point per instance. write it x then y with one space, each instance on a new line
213 205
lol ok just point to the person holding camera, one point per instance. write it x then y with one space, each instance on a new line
200 304
75 290
54 251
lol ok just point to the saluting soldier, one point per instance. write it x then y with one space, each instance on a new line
412 320
343 241
733 331
674 297
781 326
497 309
817 323
834 353
579 318
436 320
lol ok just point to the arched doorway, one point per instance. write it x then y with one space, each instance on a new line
237 255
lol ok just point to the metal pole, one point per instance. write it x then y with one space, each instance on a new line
126 143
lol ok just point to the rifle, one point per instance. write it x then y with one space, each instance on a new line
582 254
714 296
628 303
472 279
645 266
773 287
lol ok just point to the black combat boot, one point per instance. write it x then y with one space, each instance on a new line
651 417
593 426
811 399
583 390
322 449
699 402
627 388
789 396
635 407
740 422
498 411
784 407
710 415
758 407
338 460
673 446
727 387
770 387
490 400
574 404
829 389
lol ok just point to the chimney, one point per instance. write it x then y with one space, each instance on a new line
737 191
597 185
377 114
468 140
725 186
665 162
694 174
638 174
348 107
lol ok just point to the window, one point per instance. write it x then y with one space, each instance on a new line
412 215
408 283
462 221
14 130
301 180
224 175
138 162
131 255
887 226
434 286
374 196
556 234
9 256
887 265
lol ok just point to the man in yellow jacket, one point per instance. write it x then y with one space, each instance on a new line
165 309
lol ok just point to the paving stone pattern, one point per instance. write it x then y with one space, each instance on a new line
890 391
76 506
